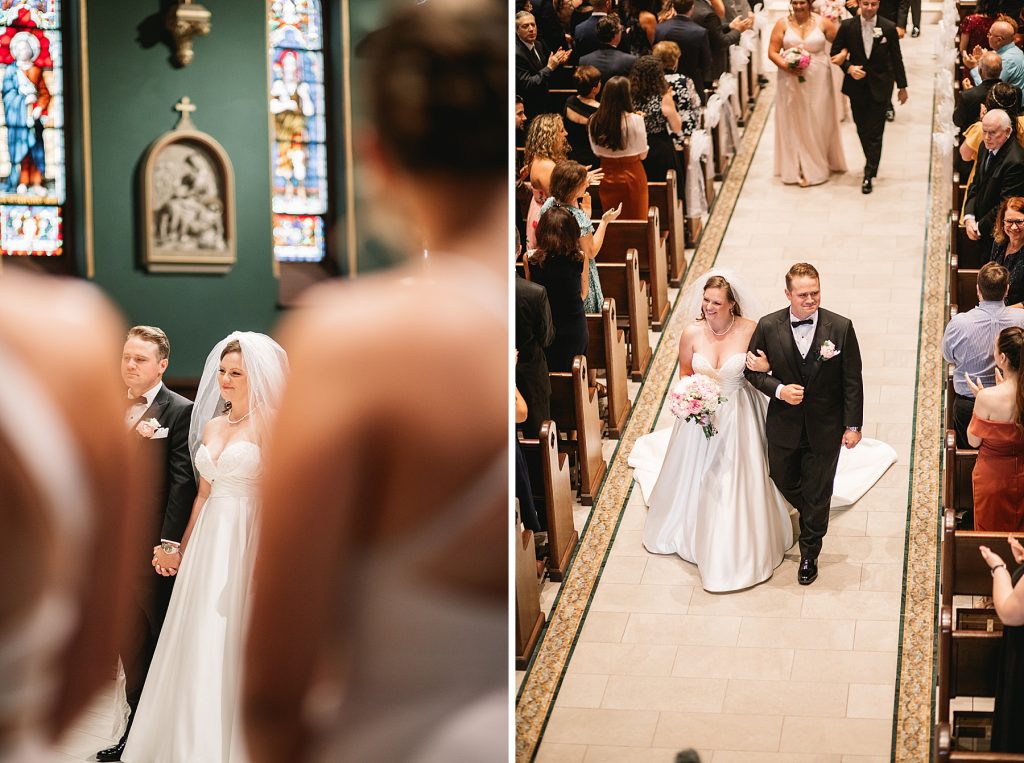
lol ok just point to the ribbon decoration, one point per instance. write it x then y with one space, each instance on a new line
713 110
750 41
727 85
944 142
762 18
696 193
738 57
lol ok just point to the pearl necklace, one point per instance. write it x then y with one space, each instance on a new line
708 324
240 420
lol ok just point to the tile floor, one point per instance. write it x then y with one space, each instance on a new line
779 672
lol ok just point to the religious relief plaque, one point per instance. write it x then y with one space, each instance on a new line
188 201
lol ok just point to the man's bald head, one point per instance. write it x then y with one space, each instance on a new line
990 65
999 34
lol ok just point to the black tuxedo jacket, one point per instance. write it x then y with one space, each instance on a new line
1004 177
692 39
968 111
174 488
611 62
720 37
532 77
833 389
534 331
883 68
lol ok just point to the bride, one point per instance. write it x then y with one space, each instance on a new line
188 709
713 503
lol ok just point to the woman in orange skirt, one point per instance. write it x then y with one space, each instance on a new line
619 138
997 430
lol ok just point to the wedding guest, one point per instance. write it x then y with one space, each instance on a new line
641 18
1000 175
719 37
546 145
1008 236
968 338
554 26
974 26
557 265
534 332
1003 96
534 65
684 94
69 481
968 110
619 138
520 122
692 40
569 183
653 98
1008 598
997 430
579 108
1000 39
585 40
608 59
379 628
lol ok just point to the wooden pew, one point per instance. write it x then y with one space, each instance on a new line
958 492
606 348
621 282
963 286
529 618
549 474
665 196
964 571
969 252
574 411
650 244
944 752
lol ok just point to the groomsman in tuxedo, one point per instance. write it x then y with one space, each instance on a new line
998 175
817 403
534 66
157 419
873 63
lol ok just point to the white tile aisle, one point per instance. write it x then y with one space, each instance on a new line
779 672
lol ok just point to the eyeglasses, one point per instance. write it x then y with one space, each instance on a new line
1013 224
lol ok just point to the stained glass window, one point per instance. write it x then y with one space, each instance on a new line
298 149
32 177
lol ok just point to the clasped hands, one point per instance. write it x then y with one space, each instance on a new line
164 563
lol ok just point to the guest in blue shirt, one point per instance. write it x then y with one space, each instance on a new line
1000 39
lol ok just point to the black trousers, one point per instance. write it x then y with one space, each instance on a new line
805 477
910 8
869 116
963 409
150 598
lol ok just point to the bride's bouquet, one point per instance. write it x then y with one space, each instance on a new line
832 10
797 59
696 398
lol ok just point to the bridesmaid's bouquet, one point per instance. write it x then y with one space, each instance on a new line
696 398
797 59
830 9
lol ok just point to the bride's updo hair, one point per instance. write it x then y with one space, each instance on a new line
717 282
233 346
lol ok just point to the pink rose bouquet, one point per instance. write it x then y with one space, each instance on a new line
797 59
696 398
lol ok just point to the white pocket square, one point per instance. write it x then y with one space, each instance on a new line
160 434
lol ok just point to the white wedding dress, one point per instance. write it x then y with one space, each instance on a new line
189 707
713 503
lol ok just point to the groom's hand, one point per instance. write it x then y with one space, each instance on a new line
856 71
851 438
792 394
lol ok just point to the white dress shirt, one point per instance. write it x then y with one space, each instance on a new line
867 31
803 335
135 412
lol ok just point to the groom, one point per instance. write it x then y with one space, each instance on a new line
874 61
817 403
158 421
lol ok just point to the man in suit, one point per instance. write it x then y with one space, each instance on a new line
158 421
585 35
534 332
998 174
968 111
720 36
692 39
817 403
534 66
608 59
873 63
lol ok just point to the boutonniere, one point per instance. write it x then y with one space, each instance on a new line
827 351
150 429
876 32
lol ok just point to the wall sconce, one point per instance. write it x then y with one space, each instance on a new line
186 20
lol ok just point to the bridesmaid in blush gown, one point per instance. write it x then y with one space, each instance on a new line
808 146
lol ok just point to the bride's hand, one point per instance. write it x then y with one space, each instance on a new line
758 362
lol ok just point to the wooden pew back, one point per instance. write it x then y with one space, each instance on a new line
549 473
606 348
665 196
646 238
621 282
574 410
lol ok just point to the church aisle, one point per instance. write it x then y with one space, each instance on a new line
779 672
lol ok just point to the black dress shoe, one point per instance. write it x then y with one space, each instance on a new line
915 32
865 187
890 114
808 571
113 753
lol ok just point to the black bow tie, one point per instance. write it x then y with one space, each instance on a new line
804 322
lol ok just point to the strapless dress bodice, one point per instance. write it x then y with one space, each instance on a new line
814 43
235 472
729 376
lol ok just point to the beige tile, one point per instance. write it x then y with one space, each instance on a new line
851 549
622 659
631 728
728 756
755 602
623 569
886 524
670 570
865 759
629 543
796 634
844 666
598 754
681 629
581 690
604 626
664 694
733 662
830 735
719 731
863 605
652 599
847 522
882 577
871 701
885 499
876 636
786 697
552 752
